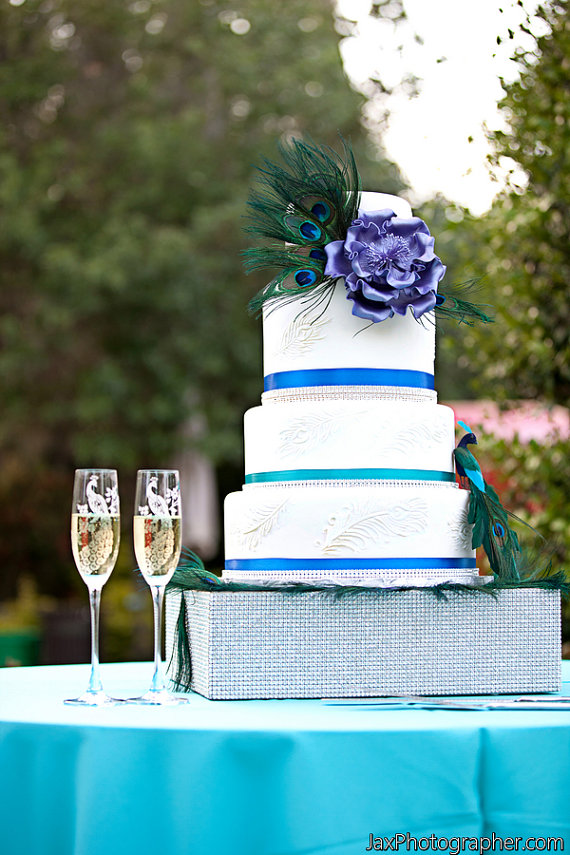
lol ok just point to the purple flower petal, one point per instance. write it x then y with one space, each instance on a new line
380 219
408 227
401 278
337 264
368 234
369 311
433 274
363 266
353 283
400 308
424 247
423 304
378 293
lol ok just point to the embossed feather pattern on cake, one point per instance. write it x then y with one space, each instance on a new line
300 336
258 523
461 530
422 434
306 432
357 525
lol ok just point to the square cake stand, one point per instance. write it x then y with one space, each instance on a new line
270 644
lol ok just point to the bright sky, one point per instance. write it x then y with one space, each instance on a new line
459 65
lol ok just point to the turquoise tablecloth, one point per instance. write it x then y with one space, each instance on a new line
264 777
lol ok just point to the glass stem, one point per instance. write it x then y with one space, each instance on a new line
158 681
95 684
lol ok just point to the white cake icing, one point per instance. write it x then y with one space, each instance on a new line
349 525
349 460
339 434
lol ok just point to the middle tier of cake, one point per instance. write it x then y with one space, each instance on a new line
349 441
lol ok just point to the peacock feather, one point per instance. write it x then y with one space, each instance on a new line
490 520
190 573
492 531
300 206
303 204
451 303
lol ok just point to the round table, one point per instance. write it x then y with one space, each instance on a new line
293 777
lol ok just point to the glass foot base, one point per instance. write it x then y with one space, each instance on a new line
158 697
93 699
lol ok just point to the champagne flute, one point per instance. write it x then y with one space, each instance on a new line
157 540
95 535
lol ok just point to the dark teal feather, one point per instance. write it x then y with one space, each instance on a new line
489 518
301 269
492 531
189 573
310 176
535 563
451 303
303 204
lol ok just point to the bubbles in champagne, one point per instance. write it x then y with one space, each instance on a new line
95 543
157 546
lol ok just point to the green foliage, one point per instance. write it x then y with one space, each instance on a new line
523 244
522 249
128 138
453 370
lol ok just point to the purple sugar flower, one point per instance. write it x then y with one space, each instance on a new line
388 264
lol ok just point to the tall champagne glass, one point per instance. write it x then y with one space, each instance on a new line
95 535
157 539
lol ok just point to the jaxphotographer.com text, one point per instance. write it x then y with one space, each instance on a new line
456 845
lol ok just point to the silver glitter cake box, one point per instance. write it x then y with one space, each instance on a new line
317 645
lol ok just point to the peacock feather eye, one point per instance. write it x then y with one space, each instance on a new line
498 530
304 278
318 254
322 211
305 229
304 273
309 230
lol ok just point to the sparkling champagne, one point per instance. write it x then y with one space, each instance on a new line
157 547
95 545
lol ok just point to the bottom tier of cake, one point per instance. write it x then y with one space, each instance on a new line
317 645
367 532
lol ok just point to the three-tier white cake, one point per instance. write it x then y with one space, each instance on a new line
349 474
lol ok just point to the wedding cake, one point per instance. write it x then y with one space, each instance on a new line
349 471
350 551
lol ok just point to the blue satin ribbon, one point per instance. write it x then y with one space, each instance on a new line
282 564
349 475
348 377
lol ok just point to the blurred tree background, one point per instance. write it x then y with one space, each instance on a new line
128 139
522 249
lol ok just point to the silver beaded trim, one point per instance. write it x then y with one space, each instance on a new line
349 393
337 482
419 577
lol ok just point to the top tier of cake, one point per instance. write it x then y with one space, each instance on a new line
329 351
